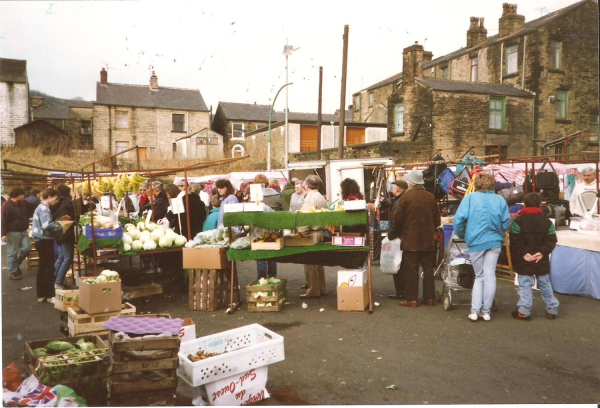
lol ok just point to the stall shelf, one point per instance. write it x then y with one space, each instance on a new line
320 254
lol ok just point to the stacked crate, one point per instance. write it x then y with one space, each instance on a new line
33 259
259 297
143 371
208 289
80 323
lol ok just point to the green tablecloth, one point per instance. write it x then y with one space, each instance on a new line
84 245
320 254
288 220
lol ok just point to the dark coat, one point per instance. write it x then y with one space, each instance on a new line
286 195
197 214
64 207
15 217
392 233
416 219
161 203
531 232
32 202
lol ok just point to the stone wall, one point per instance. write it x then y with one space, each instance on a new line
147 128
14 110
376 113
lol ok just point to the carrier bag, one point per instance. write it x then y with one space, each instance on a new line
546 180
391 256
445 180
512 195
466 276
458 187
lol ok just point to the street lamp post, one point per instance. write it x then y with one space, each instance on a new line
269 133
287 51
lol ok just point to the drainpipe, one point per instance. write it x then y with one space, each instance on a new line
501 60
109 131
523 73
533 123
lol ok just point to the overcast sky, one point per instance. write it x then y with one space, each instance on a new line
232 50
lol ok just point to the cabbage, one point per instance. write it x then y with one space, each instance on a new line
150 226
127 239
172 234
101 279
137 245
135 234
141 226
57 345
128 226
127 247
165 242
157 234
149 245
145 237
110 275
180 240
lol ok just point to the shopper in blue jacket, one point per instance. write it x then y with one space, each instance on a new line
481 220
213 216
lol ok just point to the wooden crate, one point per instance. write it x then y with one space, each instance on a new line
64 299
81 322
268 246
74 370
208 289
274 292
277 307
143 399
121 387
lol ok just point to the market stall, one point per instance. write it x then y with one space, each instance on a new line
323 253
575 264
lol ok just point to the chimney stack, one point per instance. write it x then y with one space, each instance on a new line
477 33
510 22
154 81
412 61
37 102
103 77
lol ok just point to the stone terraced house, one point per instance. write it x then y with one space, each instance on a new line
14 98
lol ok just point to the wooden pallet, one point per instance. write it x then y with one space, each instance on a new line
122 390
208 289
83 323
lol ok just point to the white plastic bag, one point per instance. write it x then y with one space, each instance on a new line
391 256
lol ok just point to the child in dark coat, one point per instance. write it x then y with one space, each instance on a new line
532 239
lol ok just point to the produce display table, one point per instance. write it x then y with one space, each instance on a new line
320 254
575 264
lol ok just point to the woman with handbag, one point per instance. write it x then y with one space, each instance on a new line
481 220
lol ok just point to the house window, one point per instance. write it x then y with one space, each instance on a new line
511 59
213 140
474 63
178 122
371 98
120 147
559 149
356 103
237 151
493 150
445 72
122 119
86 127
237 130
399 118
496 113
561 104
555 54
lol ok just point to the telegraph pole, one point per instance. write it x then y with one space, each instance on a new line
319 113
343 95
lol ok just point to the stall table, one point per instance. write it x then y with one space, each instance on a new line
320 254
575 264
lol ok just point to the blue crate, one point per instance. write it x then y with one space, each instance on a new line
103 233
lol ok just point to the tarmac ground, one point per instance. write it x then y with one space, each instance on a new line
433 356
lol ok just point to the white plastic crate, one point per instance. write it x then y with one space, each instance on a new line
247 347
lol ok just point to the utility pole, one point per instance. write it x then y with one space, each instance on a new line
269 131
343 95
319 113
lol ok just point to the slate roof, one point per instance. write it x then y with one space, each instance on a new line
12 70
473 87
60 110
260 113
529 27
142 96
379 84
41 122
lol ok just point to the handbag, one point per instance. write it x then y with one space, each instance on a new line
466 276
445 180
546 180
458 187
512 195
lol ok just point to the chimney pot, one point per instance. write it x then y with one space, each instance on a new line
103 76
477 33
154 81
510 22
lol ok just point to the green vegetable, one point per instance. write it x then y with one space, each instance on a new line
58 346
39 352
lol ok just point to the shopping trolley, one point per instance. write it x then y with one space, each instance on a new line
457 273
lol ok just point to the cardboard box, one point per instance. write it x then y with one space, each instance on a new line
235 207
253 207
352 299
205 258
355 205
100 297
102 233
307 240
188 330
352 277
347 241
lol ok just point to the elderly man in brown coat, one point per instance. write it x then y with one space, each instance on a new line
415 221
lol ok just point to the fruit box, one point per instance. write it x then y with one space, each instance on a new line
268 246
100 297
347 241
307 240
